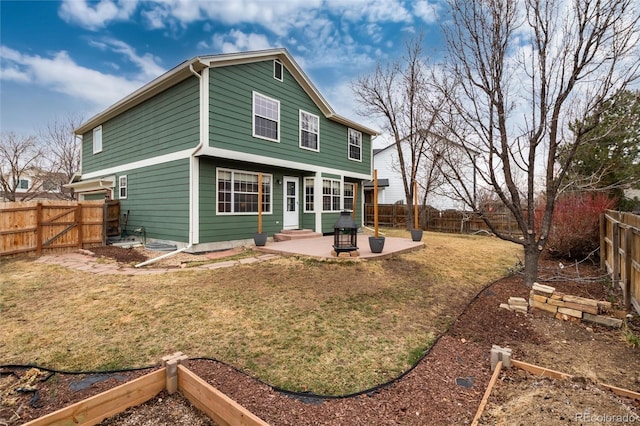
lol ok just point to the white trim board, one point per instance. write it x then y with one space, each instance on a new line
277 162
153 161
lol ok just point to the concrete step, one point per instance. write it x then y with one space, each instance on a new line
295 234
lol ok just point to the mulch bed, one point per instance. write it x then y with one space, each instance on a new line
445 387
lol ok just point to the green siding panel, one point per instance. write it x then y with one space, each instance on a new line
231 100
166 123
328 220
158 200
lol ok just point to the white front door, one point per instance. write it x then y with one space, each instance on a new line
290 196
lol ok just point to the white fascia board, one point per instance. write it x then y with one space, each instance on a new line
352 124
278 162
154 161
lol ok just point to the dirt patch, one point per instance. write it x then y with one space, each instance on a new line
446 386
120 254
545 401
163 410
135 255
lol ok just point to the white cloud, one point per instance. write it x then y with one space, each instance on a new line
237 41
370 10
155 17
61 74
13 74
147 63
95 16
276 16
427 11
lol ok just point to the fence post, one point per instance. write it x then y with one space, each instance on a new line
616 253
628 248
39 229
79 224
105 208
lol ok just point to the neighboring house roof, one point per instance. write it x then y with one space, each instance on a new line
381 183
188 68
381 150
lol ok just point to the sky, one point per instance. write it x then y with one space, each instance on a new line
74 58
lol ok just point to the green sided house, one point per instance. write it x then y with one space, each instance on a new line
183 154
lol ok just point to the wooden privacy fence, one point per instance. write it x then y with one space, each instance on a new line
452 221
620 253
55 226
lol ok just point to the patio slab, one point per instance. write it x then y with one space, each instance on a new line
322 248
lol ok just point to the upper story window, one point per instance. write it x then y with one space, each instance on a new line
277 70
97 139
238 192
122 185
355 145
309 131
348 195
330 195
266 117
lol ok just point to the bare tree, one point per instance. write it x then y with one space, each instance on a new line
63 153
522 77
398 93
21 172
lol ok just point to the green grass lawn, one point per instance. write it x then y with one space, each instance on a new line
301 324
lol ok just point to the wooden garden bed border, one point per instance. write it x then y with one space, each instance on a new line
215 404
93 410
540 372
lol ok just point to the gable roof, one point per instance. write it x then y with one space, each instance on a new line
456 144
190 67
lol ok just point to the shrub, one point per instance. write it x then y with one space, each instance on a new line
575 226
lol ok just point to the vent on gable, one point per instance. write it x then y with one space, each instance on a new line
277 70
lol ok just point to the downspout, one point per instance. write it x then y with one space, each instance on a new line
191 198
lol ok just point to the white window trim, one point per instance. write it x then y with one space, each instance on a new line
349 145
275 64
313 181
344 197
18 185
300 131
339 182
232 171
121 187
253 117
97 148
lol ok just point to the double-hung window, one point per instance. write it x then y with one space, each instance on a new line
330 195
309 131
266 117
122 185
348 196
238 192
355 145
97 140
309 195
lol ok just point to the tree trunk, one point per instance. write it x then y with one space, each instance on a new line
531 257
